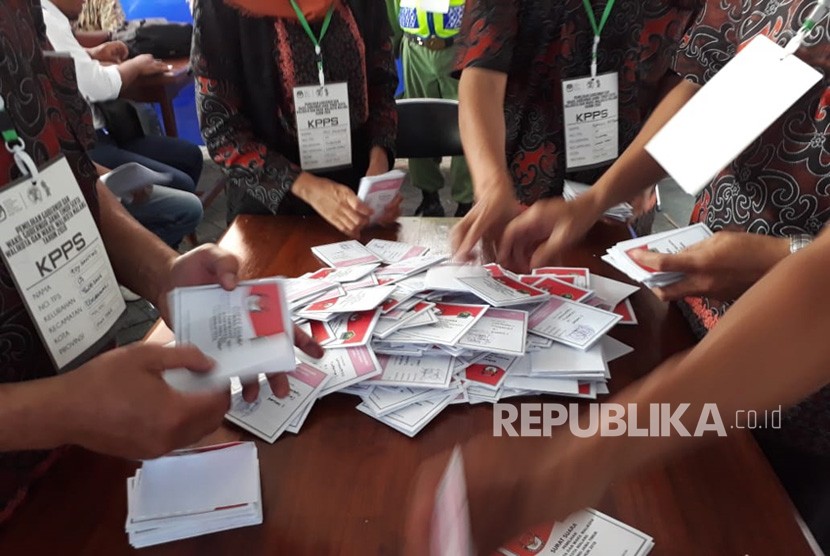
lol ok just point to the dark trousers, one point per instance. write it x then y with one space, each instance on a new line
806 477
168 155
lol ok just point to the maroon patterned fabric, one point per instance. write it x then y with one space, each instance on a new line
780 185
246 67
42 99
538 43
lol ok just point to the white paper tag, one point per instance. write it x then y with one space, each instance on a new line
435 6
52 247
730 112
323 126
591 114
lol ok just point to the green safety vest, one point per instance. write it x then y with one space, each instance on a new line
417 21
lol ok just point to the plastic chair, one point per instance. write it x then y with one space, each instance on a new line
428 128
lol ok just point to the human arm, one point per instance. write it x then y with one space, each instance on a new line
382 81
738 366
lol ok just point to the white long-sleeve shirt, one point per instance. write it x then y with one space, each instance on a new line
96 82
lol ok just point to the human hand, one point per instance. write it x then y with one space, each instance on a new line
140 195
119 404
147 65
336 203
721 267
486 221
391 213
378 162
536 237
113 52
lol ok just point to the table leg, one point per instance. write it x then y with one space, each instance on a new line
168 116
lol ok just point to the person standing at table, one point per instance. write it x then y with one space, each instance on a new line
527 83
296 103
765 205
114 402
429 51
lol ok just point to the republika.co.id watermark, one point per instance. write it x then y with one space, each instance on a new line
613 419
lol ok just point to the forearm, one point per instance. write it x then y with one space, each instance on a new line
635 170
130 71
769 350
481 95
91 39
32 415
141 260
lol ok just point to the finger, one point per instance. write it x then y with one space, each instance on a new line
511 240
160 358
355 218
459 232
307 344
202 414
664 262
545 253
360 207
222 264
250 390
279 385
684 288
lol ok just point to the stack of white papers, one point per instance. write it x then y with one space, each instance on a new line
379 191
622 212
585 533
415 335
671 242
247 331
194 492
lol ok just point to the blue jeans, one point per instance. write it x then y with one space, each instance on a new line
168 155
169 213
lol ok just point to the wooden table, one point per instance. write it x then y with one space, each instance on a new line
340 486
162 89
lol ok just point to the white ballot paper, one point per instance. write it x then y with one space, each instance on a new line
410 420
344 253
451 534
55 255
247 331
445 277
454 320
415 372
741 101
585 533
379 191
391 252
269 416
346 366
570 323
611 291
364 299
194 492
498 331
502 291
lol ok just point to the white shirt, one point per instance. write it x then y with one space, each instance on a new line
96 82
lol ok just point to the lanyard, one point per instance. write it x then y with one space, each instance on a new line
814 18
15 145
597 29
317 50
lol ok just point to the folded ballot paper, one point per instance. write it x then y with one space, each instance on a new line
671 242
585 533
247 331
378 191
622 212
411 334
194 492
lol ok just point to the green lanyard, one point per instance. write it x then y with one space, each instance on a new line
317 50
15 145
597 29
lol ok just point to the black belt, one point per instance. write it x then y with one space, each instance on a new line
433 43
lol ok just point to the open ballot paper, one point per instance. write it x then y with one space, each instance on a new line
364 299
741 101
344 253
503 291
353 329
454 320
585 533
344 274
415 372
246 331
345 366
498 331
54 253
671 242
447 277
391 252
560 288
379 191
269 416
570 323
578 276
194 492
450 530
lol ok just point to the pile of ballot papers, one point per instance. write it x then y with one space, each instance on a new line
622 212
410 334
671 242
194 492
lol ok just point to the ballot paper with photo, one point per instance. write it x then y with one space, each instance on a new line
498 331
734 107
194 492
490 371
353 329
502 291
391 252
578 276
454 321
346 366
570 323
268 416
560 288
379 191
344 253
585 533
247 331
365 299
